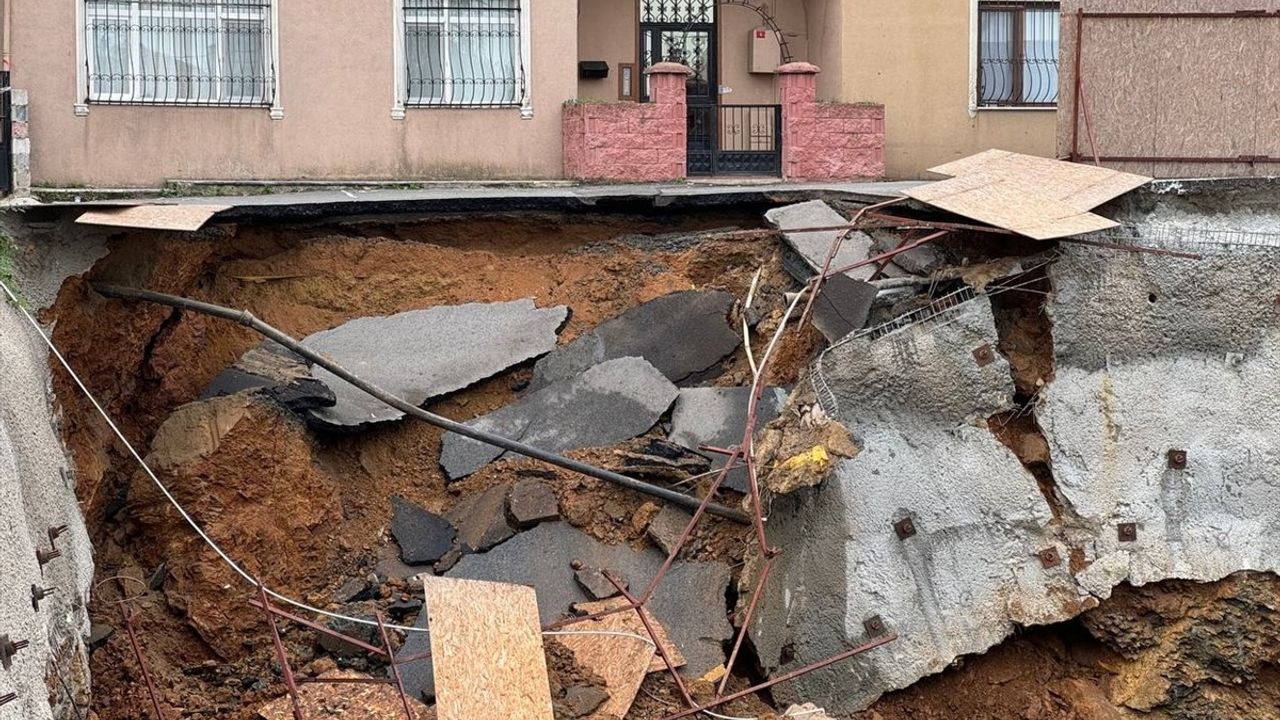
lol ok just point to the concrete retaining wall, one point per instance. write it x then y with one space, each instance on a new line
37 492
1152 353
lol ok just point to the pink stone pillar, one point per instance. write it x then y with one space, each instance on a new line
798 88
668 90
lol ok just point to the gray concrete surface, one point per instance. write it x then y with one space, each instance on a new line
611 402
422 354
1157 354
916 401
1152 354
846 307
36 493
681 334
717 416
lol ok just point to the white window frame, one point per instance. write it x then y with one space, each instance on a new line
86 97
400 83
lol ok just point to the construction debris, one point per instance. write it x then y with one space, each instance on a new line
423 537
1037 197
658 331
811 246
689 602
531 502
469 620
186 217
278 374
666 528
612 401
717 417
349 696
482 520
423 354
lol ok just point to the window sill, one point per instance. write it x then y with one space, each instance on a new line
1017 108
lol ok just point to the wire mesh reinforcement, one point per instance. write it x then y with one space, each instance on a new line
463 53
1186 237
1018 54
179 52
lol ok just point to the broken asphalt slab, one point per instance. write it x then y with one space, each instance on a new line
681 334
689 603
278 374
611 402
423 536
718 417
845 302
423 354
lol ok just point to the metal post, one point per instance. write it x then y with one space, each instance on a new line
1075 107
395 670
285 670
142 662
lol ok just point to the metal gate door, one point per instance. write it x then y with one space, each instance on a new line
6 134
735 140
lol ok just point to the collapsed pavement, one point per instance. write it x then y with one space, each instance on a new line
956 465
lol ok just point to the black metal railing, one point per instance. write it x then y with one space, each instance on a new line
463 53
180 52
1018 54
677 11
735 140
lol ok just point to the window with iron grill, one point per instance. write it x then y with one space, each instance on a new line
179 52
1018 54
463 53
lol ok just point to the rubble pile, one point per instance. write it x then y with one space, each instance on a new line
958 441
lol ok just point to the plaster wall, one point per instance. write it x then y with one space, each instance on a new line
336 84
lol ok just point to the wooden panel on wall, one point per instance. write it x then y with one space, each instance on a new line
1179 87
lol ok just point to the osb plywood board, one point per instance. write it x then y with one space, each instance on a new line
1174 87
622 661
1080 187
626 622
486 646
347 700
1010 204
154 217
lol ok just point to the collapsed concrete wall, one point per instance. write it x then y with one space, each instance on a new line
1164 414
36 494
1161 422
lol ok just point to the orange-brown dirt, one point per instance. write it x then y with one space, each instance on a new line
307 512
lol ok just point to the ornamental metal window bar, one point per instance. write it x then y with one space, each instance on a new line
1018 54
463 53
179 52
677 12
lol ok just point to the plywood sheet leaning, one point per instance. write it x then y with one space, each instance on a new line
623 622
486 644
154 217
1037 197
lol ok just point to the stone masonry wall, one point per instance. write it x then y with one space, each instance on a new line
827 141
642 142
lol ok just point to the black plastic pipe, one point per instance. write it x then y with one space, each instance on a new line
247 319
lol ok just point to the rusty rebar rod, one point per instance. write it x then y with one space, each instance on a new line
285 670
142 662
746 624
833 249
653 635
870 645
268 607
248 320
395 670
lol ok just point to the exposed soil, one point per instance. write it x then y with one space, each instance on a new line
308 511
304 511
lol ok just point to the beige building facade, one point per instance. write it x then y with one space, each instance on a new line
137 93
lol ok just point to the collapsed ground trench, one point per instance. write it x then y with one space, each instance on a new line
318 275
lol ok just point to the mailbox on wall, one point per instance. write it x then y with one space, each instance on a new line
593 69
764 52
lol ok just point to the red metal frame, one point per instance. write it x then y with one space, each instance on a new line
1079 105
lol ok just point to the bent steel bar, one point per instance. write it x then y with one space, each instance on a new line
247 319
